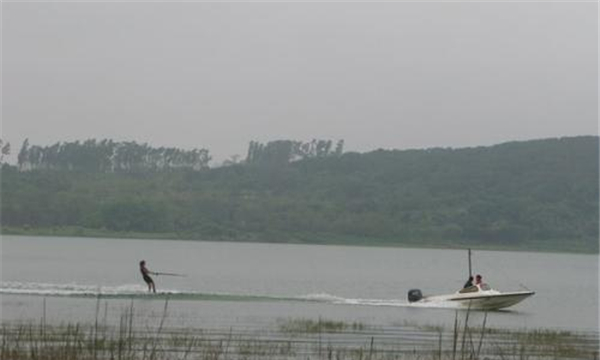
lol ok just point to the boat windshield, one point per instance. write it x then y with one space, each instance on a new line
475 288
469 289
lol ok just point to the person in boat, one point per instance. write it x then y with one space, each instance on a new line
469 283
478 281
146 275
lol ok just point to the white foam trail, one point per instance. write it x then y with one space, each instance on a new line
332 299
328 298
377 302
127 290
322 297
134 290
71 289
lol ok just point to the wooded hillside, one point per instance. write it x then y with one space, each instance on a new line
540 194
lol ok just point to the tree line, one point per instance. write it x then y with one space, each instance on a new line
4 150
284 151
539 194
109 156
129 156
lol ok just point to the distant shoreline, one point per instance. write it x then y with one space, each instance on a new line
529 196
295 239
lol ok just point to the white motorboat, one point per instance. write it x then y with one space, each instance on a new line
479 297
475 297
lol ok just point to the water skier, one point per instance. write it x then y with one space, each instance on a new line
146 275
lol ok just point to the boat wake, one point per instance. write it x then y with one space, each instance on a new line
135 291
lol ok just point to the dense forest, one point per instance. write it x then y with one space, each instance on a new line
533 195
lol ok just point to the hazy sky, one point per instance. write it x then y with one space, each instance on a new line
379 75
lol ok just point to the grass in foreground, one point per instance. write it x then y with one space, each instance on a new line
289 339
308 326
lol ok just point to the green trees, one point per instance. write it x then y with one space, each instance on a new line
136 215
4 150
282 152
539 194
109 156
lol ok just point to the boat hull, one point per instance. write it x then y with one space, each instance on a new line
482 300
492 301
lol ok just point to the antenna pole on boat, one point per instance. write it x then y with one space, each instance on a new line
470 272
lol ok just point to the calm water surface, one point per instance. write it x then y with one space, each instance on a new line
239 284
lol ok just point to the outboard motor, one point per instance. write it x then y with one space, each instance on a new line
414 295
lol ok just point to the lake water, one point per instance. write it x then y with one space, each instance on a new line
251 284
